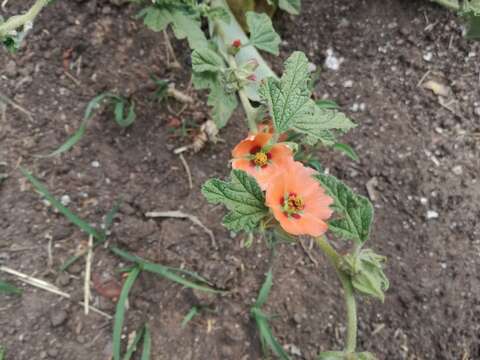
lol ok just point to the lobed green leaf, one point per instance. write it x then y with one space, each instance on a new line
242 196
288 100
6 288
262 33
355 210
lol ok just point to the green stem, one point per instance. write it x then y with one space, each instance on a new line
449 4
351 306
17 21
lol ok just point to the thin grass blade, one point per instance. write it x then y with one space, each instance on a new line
265 290
190 315
166 272
133 346
266 334
62 209
120 312
6 288
147 344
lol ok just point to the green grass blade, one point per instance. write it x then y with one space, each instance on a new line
107 224
265 290
62 209
92 105
3 352
6 288
147 344
266 335
166 272
120 312
190 315
133 346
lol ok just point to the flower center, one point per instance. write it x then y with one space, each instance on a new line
292 205
260 159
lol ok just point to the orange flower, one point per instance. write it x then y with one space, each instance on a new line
298 201
264 162
267 127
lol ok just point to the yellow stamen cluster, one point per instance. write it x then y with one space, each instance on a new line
260 159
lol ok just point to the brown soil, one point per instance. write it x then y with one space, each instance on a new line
424 157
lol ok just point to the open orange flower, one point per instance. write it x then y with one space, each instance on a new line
264 162
298 201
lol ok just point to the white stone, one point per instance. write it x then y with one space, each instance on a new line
432 214
65 200
95 164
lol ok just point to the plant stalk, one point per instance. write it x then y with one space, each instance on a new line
350 303
17 21
449 4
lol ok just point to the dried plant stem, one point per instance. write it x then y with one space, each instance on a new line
47 287
187 170
88 273
350 303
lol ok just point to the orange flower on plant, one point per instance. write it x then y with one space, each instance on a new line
298 201
267 127
264 162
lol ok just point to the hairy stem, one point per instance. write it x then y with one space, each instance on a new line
17 21
351 306
449 4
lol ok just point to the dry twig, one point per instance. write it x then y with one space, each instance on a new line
47 287
181 215
88 275
187 169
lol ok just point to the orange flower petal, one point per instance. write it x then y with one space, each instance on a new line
298 180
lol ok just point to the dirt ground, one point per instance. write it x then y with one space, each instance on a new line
420 151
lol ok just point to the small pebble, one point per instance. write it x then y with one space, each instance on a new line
57 318
428 56
457 170
95 164
331 61
432 214
65 200
348 84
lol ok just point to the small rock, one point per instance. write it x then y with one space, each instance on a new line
297 318
477 111
457 170
95 164
428 56
61 232
348 84
65 200
11 69
52 352
43 354
423 200
75 269
331 61
63 279
57 318
432 215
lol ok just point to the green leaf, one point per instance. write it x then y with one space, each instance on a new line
242 196
89 111
321 120
266 335
120 312
332 355
3 351
120 118
190 315
347 150
155 19
366 271
355 210
195 282
290 6
223 104
133 346
326 104
265 290
147 344
106 225
217 12
83 225
206 60
262 33
6 288
288 100
187 26
184 21
473 26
